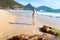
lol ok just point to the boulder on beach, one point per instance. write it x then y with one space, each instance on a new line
25 37
50 30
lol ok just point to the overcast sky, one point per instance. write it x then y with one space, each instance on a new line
55 4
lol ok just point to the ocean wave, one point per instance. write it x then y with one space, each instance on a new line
57 15
50 14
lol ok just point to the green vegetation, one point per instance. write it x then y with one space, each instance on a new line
10 4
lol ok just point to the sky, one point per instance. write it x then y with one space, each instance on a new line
55 4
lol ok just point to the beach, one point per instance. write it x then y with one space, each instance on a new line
11 24
5 18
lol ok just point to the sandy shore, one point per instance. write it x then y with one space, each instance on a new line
5 18
24 24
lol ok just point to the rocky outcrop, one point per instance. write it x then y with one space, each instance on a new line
50 30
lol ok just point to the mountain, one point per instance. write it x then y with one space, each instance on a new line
44 8
47 9
10 4
29 7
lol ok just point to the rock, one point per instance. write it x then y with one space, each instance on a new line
50 30
19 37
32 37
14 38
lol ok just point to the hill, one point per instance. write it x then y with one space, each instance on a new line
44 8
10 4
29 7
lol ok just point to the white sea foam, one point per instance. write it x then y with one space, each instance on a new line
57 15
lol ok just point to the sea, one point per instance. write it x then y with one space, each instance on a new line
49 14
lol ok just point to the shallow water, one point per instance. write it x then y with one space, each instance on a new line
50 14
